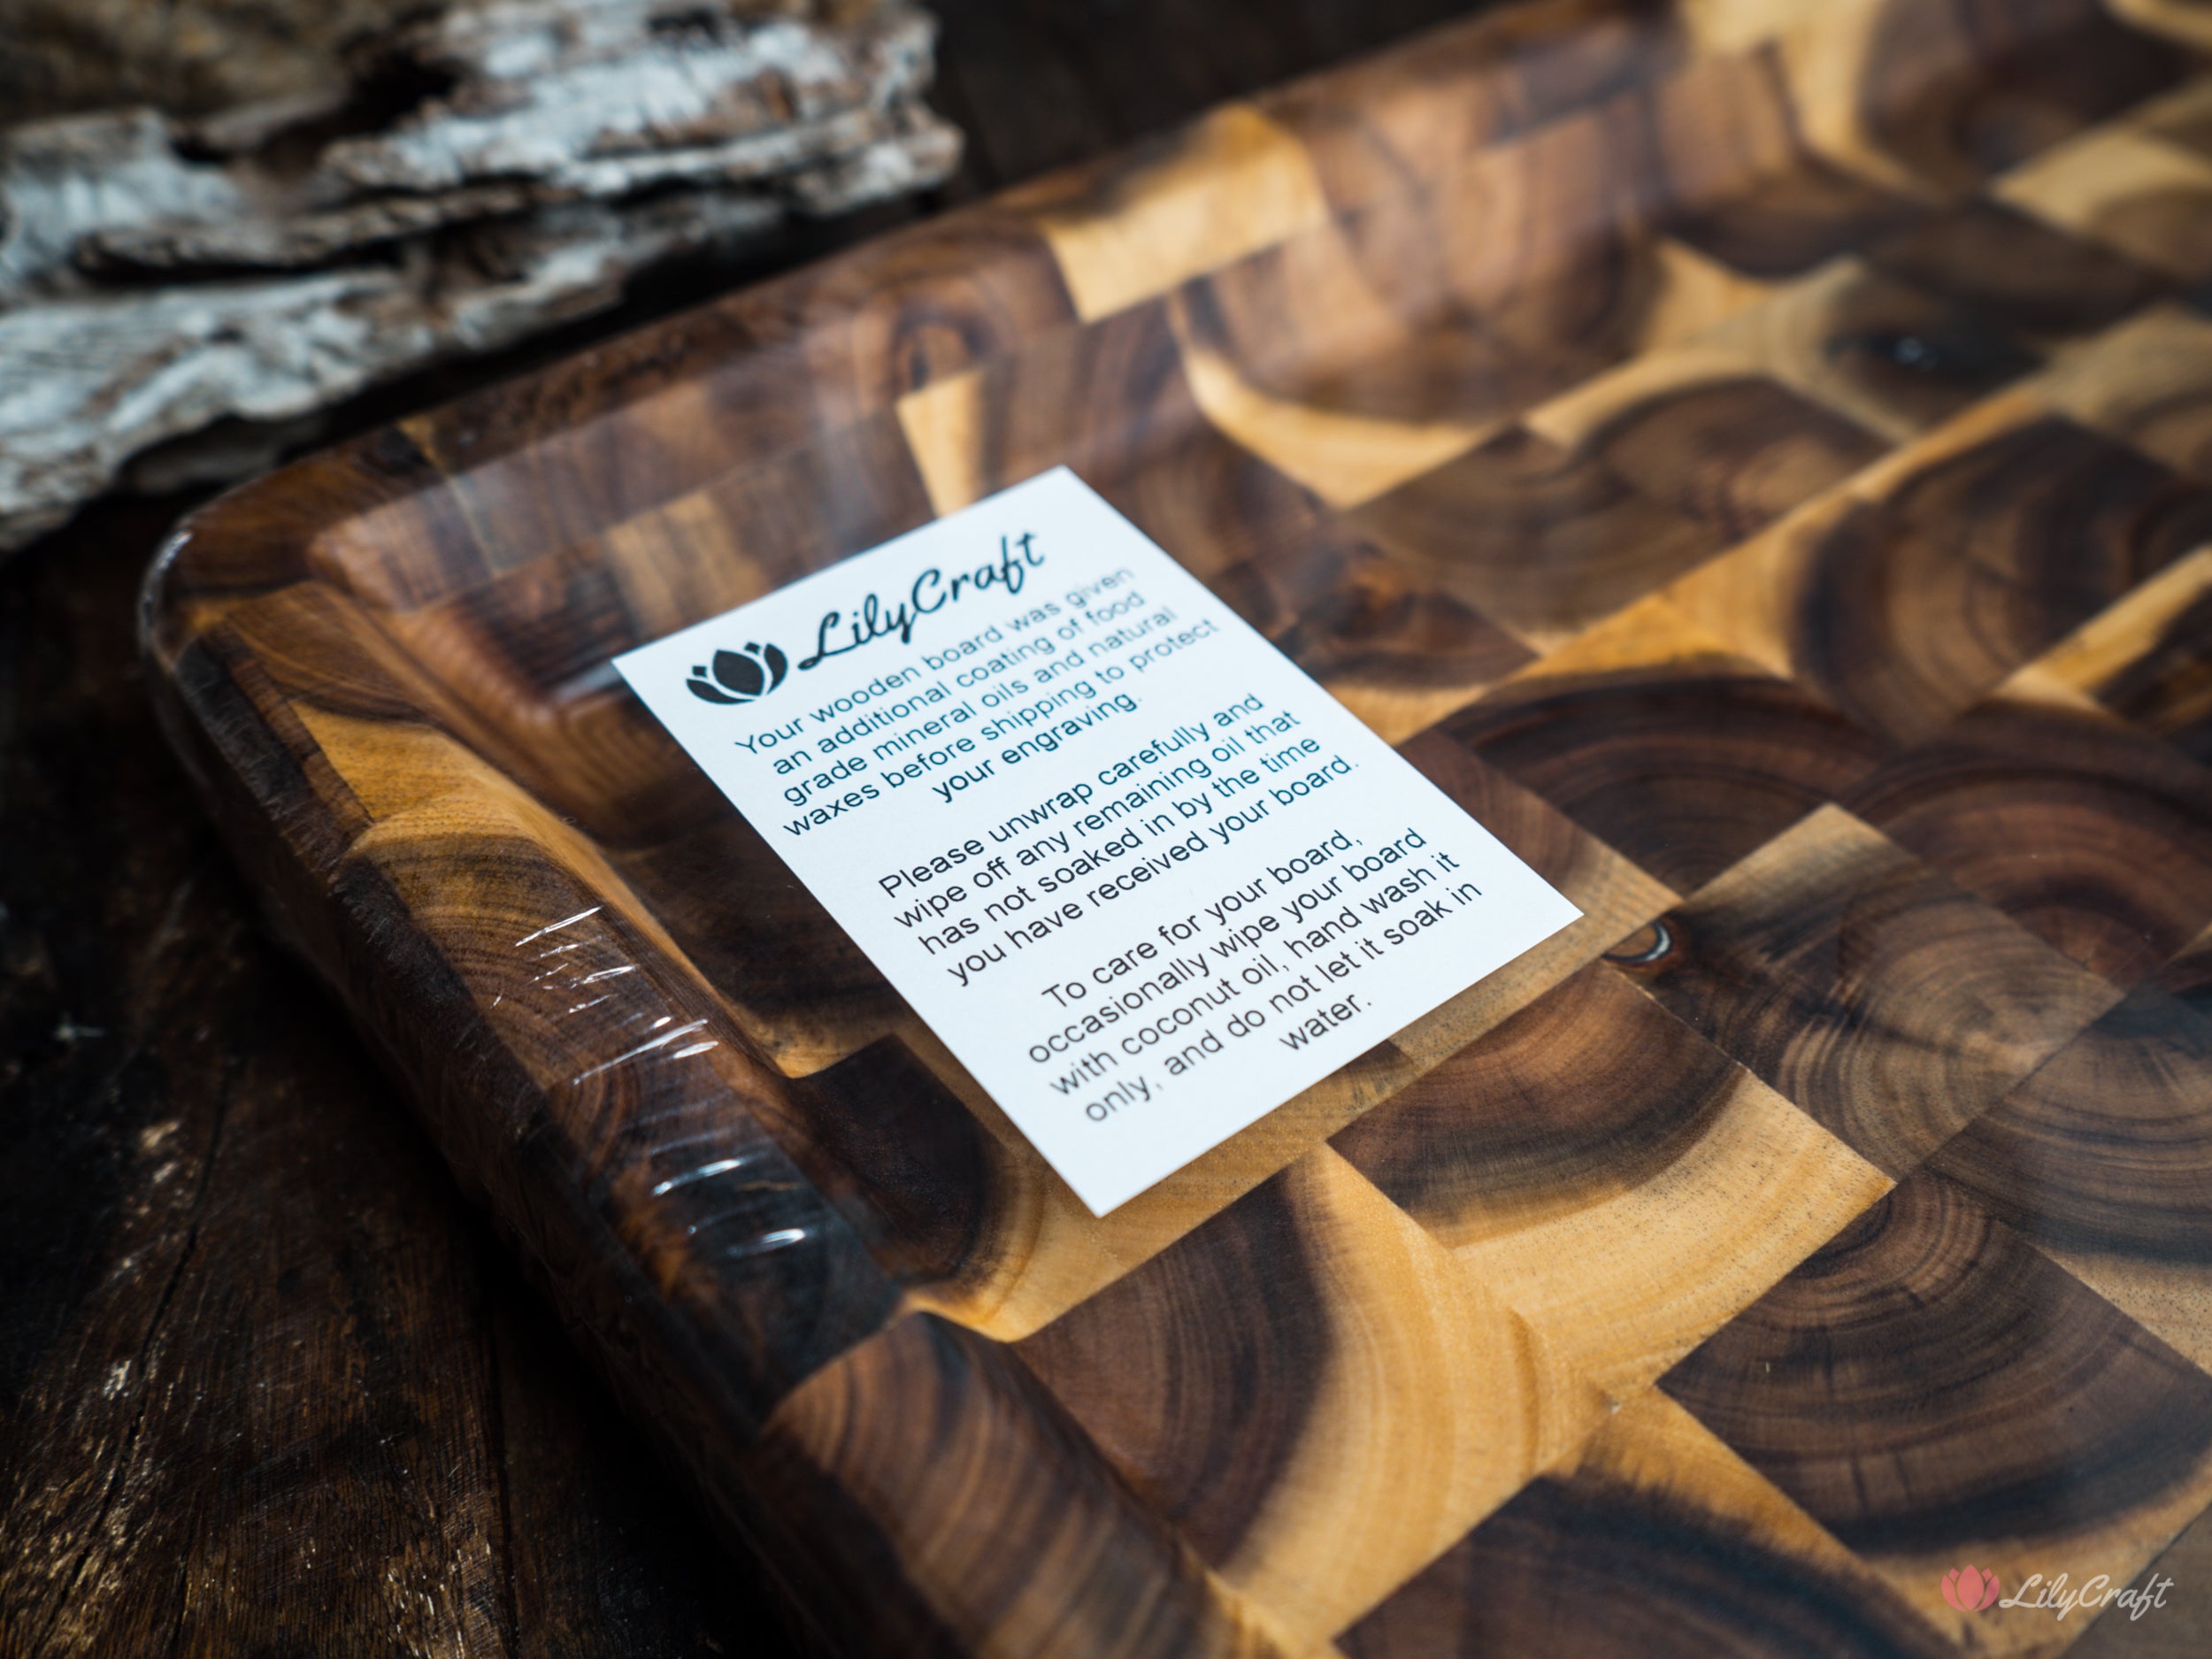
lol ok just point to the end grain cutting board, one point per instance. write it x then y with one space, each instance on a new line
1757 455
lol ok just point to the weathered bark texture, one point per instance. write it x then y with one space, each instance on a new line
475 177
200 57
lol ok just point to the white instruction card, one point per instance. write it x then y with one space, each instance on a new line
1145 878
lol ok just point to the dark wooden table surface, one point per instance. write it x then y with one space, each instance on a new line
266 1386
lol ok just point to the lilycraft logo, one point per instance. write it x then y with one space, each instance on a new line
735 677
2059 1598
1969 1589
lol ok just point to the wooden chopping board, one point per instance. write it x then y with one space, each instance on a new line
1757 456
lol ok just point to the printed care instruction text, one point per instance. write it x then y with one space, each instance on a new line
1144 877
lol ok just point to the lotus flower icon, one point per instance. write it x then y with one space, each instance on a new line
1969 1588
744 676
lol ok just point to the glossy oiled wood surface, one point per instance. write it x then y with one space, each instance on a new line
1757 456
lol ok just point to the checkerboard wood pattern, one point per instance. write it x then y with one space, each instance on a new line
1757 454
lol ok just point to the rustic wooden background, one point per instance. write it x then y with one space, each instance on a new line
265 1385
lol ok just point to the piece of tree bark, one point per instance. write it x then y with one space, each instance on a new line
202 57
486 172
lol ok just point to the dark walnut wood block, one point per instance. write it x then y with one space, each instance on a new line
1757 455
